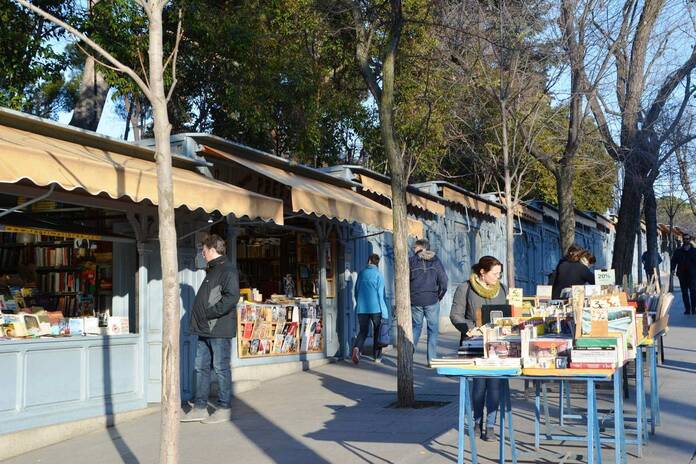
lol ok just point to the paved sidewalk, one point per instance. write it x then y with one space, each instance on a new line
338 414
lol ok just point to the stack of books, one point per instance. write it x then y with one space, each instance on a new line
596 353
451 361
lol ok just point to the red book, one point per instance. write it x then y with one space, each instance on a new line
590 365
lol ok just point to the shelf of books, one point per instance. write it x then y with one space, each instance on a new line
50 286
285 326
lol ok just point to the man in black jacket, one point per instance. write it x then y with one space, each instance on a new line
214 321
428 287
684 263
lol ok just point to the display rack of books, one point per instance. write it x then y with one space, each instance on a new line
49 287
282 326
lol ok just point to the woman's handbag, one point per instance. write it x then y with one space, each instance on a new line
384 338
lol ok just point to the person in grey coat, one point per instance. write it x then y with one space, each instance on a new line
482 288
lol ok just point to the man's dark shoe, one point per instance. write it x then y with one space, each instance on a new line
487 434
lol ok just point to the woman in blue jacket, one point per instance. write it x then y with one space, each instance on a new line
370 305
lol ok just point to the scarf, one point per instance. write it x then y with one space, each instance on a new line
482 289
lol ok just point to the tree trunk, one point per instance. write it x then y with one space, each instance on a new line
650 212
171 313
402 293
90 103
566 205
509 204
629 214
671 251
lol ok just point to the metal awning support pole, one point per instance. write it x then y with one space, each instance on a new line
30 202
323 228
140 227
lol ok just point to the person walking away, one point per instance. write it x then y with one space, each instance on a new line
482 288
214 321
573 269
649 270
371 307
684 266
428 287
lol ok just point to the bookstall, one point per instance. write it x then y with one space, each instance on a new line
80 280
279 271
589 337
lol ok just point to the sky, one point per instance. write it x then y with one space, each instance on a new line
110 124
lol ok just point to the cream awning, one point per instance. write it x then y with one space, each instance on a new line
44 160
312 196
383 189
471 202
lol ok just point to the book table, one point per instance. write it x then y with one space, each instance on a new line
590 376
647 346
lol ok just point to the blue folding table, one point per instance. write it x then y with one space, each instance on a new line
594 455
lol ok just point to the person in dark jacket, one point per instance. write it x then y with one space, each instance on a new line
482 288
573 269
371 307
650 270
684 265
214 321
428 287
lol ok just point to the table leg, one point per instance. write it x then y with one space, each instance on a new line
619 433
662 349
655 416
470 423
593 441
462 413
640 401
511 428
537 413
547 421
502 404
561 402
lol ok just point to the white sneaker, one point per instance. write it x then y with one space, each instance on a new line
220 415
195 415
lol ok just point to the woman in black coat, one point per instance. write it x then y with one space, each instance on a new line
573 269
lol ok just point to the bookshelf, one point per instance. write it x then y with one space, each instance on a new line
57 275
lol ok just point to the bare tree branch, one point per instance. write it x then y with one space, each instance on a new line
116 63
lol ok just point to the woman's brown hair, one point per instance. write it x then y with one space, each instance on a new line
485 264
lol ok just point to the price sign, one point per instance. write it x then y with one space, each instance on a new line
605 277
515 297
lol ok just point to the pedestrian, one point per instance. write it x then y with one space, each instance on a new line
214 321
428 287
482 288
573 269
649 270
684 266
371 307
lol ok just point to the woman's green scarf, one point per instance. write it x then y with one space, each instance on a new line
484 291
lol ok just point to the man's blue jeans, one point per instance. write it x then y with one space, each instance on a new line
213 353
486 391
431 314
